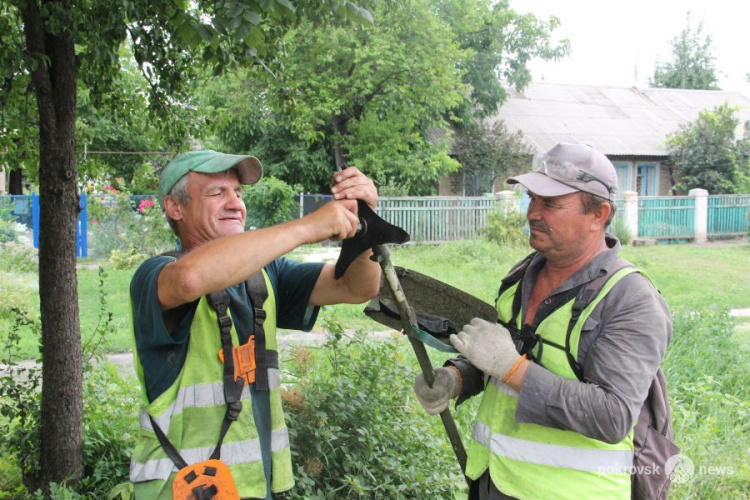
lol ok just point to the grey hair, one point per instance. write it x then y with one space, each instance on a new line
180 193
591 202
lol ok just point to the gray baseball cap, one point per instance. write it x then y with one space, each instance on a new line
207 161
568 168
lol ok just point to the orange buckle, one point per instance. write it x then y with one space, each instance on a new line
208 479
244 360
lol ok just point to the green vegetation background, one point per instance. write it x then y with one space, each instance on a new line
356 427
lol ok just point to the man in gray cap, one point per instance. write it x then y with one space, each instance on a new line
580 338
184 326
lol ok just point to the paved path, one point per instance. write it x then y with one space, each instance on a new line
124 361
291 339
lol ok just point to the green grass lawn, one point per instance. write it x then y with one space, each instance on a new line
689 276
698 275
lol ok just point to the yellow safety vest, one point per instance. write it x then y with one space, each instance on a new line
190 412
531 461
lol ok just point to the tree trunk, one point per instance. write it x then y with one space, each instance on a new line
341 125
54 82
15 182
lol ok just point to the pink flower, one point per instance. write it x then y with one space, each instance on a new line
144 205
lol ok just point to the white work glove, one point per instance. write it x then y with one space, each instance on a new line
487 346
445 387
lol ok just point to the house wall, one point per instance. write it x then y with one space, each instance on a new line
445 188
643 174
665 182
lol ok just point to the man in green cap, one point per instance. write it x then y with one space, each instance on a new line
177 327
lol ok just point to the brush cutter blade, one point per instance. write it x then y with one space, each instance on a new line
441 309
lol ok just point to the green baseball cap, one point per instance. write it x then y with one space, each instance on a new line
207 161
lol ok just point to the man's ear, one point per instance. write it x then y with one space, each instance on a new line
601 214
173 208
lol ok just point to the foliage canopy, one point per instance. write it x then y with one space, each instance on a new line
487 151
379 95
692 66
707 154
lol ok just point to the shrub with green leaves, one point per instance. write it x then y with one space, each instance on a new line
620 230
506 227
126 258
356 430
119 222
110 414
270 201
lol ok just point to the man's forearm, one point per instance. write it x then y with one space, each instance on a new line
362 277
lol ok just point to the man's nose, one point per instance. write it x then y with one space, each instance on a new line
533 211
234 201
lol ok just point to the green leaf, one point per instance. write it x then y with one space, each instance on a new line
287 4
251 17
188 33
204 32
254 39
234 23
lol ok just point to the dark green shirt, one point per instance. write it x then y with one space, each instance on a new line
162 354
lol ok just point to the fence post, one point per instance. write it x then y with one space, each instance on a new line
82 246
35 218
701 214
630 214
505 201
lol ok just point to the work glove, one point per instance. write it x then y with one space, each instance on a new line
487 346
445 387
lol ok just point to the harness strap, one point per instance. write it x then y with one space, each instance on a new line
264 358
585 295
527 338
232 389
169 448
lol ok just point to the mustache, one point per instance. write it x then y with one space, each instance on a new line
540 226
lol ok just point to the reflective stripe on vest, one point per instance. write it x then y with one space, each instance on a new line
191 411
237 453
531 461
198 396
589 460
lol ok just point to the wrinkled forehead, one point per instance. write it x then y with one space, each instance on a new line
202 180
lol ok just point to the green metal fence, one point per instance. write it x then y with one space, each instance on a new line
666 217
107 224
437 218
728 215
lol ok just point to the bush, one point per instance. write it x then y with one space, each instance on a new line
355 429
270 202
121 222
18 259
618 228
18 278
506 227
10 229
126 258
110 415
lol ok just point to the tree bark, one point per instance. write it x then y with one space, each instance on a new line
54 81
15 182
340 123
